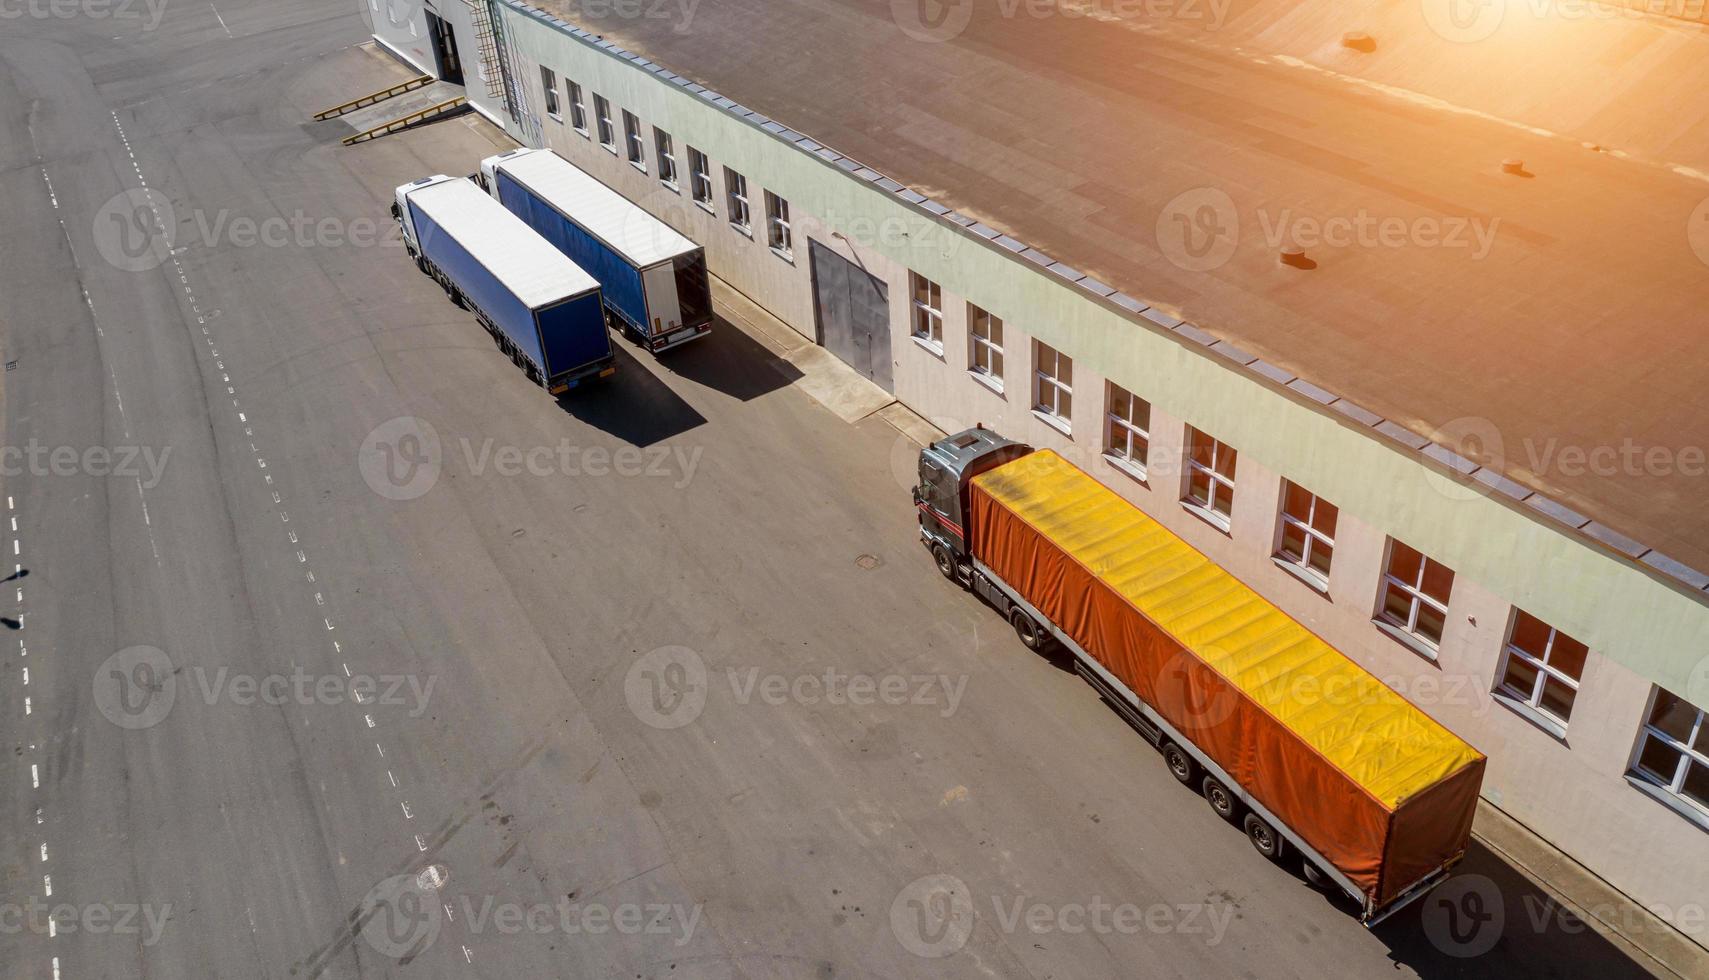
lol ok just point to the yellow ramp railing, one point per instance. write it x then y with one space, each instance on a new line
403 122
380 96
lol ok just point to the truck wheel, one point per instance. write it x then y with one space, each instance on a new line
945 561
1263 836
1180 764
1032 635
1218 796
457 299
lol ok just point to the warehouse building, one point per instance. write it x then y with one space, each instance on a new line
1331 320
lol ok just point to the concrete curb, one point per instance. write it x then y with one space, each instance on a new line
1651 941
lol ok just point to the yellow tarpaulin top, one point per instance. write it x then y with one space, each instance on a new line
1360 725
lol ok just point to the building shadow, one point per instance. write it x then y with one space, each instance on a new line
633 405
729 361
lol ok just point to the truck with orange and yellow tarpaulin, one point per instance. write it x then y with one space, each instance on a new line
1313 755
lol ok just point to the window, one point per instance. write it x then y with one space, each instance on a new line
700 178
1673 752
1307 534
1415 597
1210 478
1540 669
578 110
602 116
1127 437
634 147
667 157
985 338
549 83
777 225
1053 386
928 316
736 198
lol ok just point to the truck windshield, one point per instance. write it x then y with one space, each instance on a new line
693 290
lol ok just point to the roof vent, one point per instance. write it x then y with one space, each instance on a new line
1296 258
1359 41
1515 167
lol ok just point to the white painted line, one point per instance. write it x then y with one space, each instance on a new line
47 885
402 803
369 719
393 778
420 844
35 777
379 750
217 16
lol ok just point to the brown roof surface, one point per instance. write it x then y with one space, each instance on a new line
1583 325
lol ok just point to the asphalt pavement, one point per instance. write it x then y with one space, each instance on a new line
342 650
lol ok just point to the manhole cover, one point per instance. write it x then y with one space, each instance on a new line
434 877
868 561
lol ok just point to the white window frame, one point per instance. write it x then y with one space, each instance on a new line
778 232
665 149
700 180
736 199
578 108
1206 509
1057 382
990 344
1407 632
549 85
607 132
1127 430
1672 794
1314 538
926 316
634 143
1532 703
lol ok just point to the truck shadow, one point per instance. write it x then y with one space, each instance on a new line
729 361
1489 919
634 406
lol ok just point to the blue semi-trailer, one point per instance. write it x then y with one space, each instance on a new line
654 279
541 308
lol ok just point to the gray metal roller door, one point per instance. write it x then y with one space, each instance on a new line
852 308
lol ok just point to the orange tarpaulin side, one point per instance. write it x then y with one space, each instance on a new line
1383 792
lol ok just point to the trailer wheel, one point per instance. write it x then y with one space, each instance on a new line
458 300
1032 635
1264 837
1218 796
1314 875
945 561
1180 764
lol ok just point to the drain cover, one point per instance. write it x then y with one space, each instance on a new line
868 562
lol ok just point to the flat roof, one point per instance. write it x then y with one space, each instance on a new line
527 264
1559 311
612 218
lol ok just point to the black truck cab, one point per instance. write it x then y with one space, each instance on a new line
946 467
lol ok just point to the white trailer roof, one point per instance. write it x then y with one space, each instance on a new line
622 224
537 273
